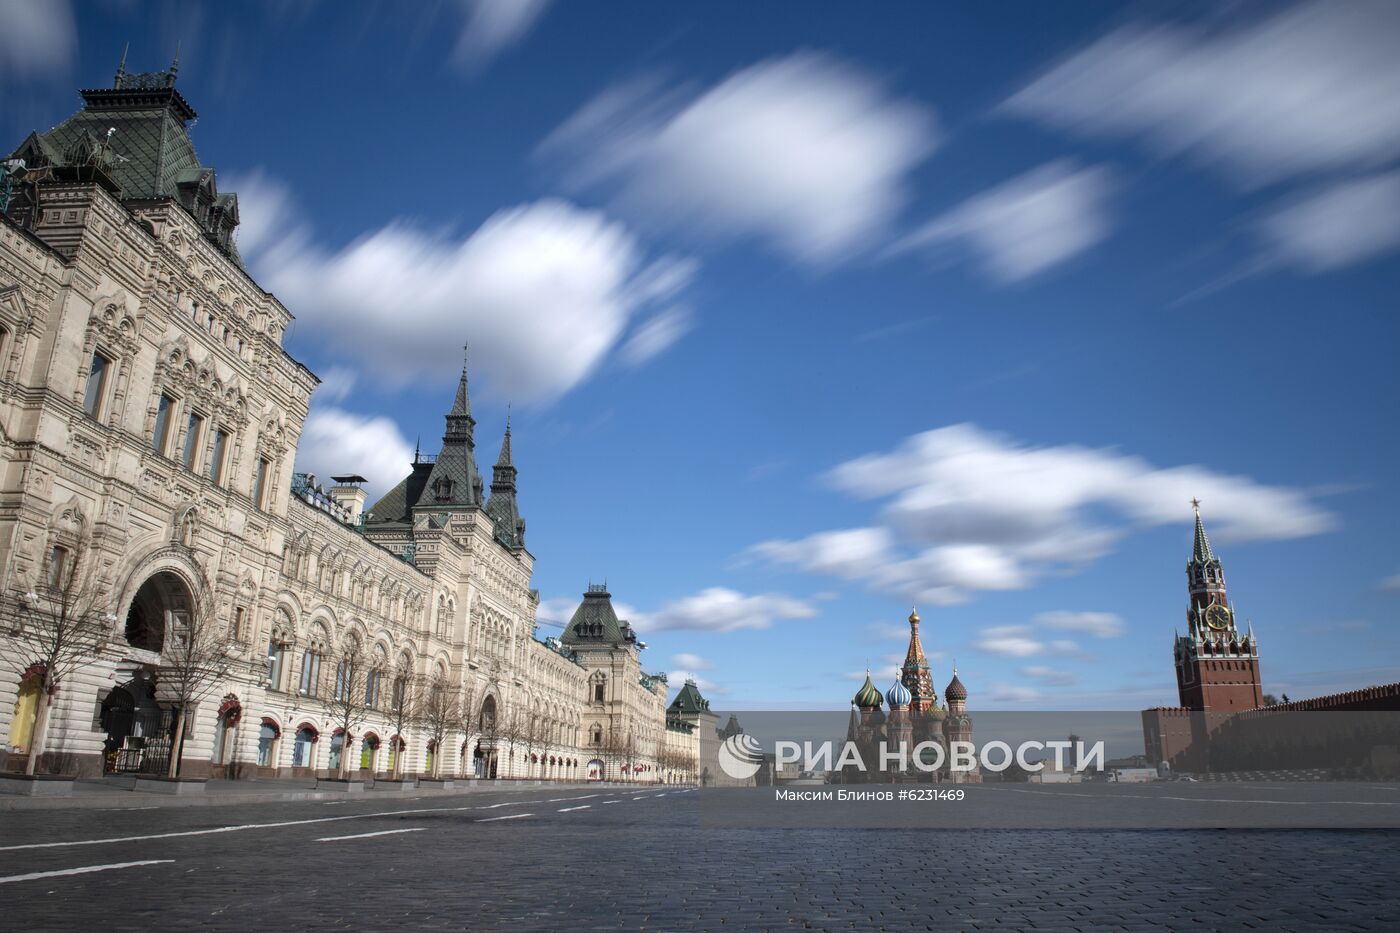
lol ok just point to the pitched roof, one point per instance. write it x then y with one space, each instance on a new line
1200 548
689 700
595 621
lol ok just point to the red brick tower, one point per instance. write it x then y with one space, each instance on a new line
1217 668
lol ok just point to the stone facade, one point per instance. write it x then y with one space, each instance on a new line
149 420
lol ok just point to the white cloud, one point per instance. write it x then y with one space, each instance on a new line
718 609
1011 640
1391 583
692 661
543 292
654 335
804 152
1313 87
1338 224
1098 624
1049 676
968 510
36 36
677 678
1009 693
1028 225
493 26
558 609
336 383
337 441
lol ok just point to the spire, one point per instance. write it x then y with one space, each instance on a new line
504 460
1200 551
915 673
174 66
462 405
502 507
121 68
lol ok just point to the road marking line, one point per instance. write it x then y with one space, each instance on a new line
570 809
512 816
387 832
609 801
83 871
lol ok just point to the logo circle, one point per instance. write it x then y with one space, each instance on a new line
740 756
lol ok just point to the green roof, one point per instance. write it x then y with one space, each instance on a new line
689 700
595 621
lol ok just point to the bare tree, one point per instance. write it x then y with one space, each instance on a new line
346 705
511 727
403 700
536 737
60 625
196 657
441 711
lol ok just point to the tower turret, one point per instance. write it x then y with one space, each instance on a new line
454 482
1216 667
502 506
915 673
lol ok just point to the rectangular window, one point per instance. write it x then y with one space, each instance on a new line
216 460
58 561
310 673
96 385
342 674
260 483
238 616
274 665
372 690
161 438
194 431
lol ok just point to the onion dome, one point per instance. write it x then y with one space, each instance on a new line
898 695
956 690
868 696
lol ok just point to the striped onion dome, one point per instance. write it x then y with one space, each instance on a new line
868 696
898 695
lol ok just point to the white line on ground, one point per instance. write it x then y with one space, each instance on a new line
386 832
610 801
512 816
570 809
82 871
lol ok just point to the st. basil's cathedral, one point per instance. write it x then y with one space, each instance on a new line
914 717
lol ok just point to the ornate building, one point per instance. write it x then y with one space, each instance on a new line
149 420
914 716
1222 717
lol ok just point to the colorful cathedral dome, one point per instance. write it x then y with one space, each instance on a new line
956 690
898 695
868 696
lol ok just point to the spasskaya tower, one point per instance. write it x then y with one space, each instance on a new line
1217 668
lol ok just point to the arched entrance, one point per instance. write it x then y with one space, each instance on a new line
595 769
161 602
139 731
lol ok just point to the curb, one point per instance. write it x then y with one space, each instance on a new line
133 798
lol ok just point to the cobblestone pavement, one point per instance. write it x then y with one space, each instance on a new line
624 860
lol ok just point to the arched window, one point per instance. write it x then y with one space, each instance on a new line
267 743
303 748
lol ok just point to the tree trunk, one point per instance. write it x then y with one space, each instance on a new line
175 743
41 726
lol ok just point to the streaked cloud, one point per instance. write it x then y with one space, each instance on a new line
545 292
806 153
1312 87
492 26
337 441
37 37
1026 226
719 609
961 510
1336 225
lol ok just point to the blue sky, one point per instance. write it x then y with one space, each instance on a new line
807 312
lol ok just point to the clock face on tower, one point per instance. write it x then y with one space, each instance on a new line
1218 617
